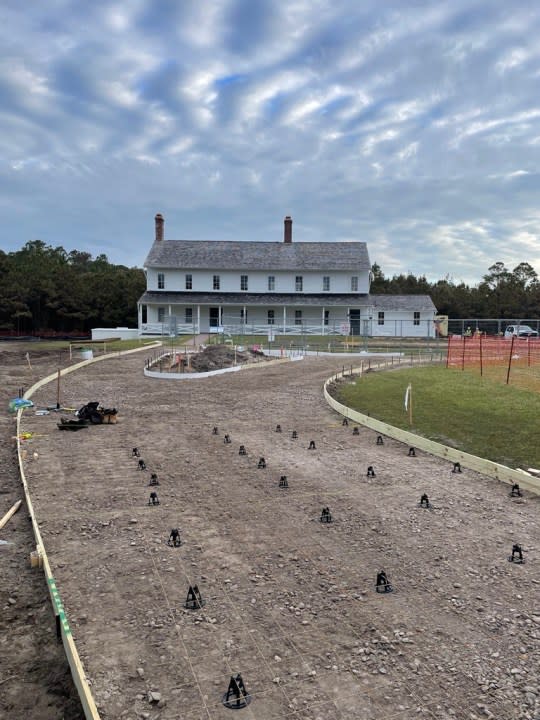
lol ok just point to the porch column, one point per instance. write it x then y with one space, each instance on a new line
139 318
322 322
220 317
244 319
284 319
198 319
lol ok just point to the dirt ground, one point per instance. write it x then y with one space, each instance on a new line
212 357
290 602
35 681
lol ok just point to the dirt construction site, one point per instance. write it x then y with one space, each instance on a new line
288 602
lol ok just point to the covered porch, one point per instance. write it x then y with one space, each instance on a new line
278 315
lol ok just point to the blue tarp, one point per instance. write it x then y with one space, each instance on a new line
18 403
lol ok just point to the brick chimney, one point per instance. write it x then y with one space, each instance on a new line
159 227
287 231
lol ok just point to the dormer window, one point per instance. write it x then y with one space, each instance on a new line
354 283
216 282
299 283
243 282
326 283
161 281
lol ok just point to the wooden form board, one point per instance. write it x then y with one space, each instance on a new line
481 465
10 513
75 664
77 670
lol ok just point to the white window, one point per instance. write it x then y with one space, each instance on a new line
354 283
271 317
416 318
299 283
216 282
189 282
161 281
161 314
380 318
243 282
271 282
297 317
189 316
326 283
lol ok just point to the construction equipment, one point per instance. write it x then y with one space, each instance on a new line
97 414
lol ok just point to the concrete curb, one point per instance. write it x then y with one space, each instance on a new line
201 375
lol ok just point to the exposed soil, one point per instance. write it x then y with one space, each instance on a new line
35 676
290 602
211 357
215 357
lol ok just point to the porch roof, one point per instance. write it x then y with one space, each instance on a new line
152 297
402 302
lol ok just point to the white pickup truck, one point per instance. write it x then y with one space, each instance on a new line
520 331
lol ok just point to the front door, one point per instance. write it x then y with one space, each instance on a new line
214 317
354 320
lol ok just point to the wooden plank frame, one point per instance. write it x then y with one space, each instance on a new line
481 465
77 670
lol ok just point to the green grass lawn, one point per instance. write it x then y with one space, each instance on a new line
474 414
339 343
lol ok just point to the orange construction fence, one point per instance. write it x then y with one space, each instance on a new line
514 358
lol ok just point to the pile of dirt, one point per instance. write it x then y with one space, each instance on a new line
216 357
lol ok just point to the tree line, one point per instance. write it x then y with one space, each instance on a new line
45 289
502 293
48 290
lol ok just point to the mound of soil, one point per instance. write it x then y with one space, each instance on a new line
216 357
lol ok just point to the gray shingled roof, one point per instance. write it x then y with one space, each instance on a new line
402 302
377 302
153 297
237 255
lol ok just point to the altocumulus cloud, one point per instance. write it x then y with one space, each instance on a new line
412 126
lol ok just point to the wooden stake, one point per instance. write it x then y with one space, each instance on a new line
510 360
410 404
5 680
9 513
58 390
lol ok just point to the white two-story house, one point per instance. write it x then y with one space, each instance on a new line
317 288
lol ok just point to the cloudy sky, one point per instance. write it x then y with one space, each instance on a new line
414 126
